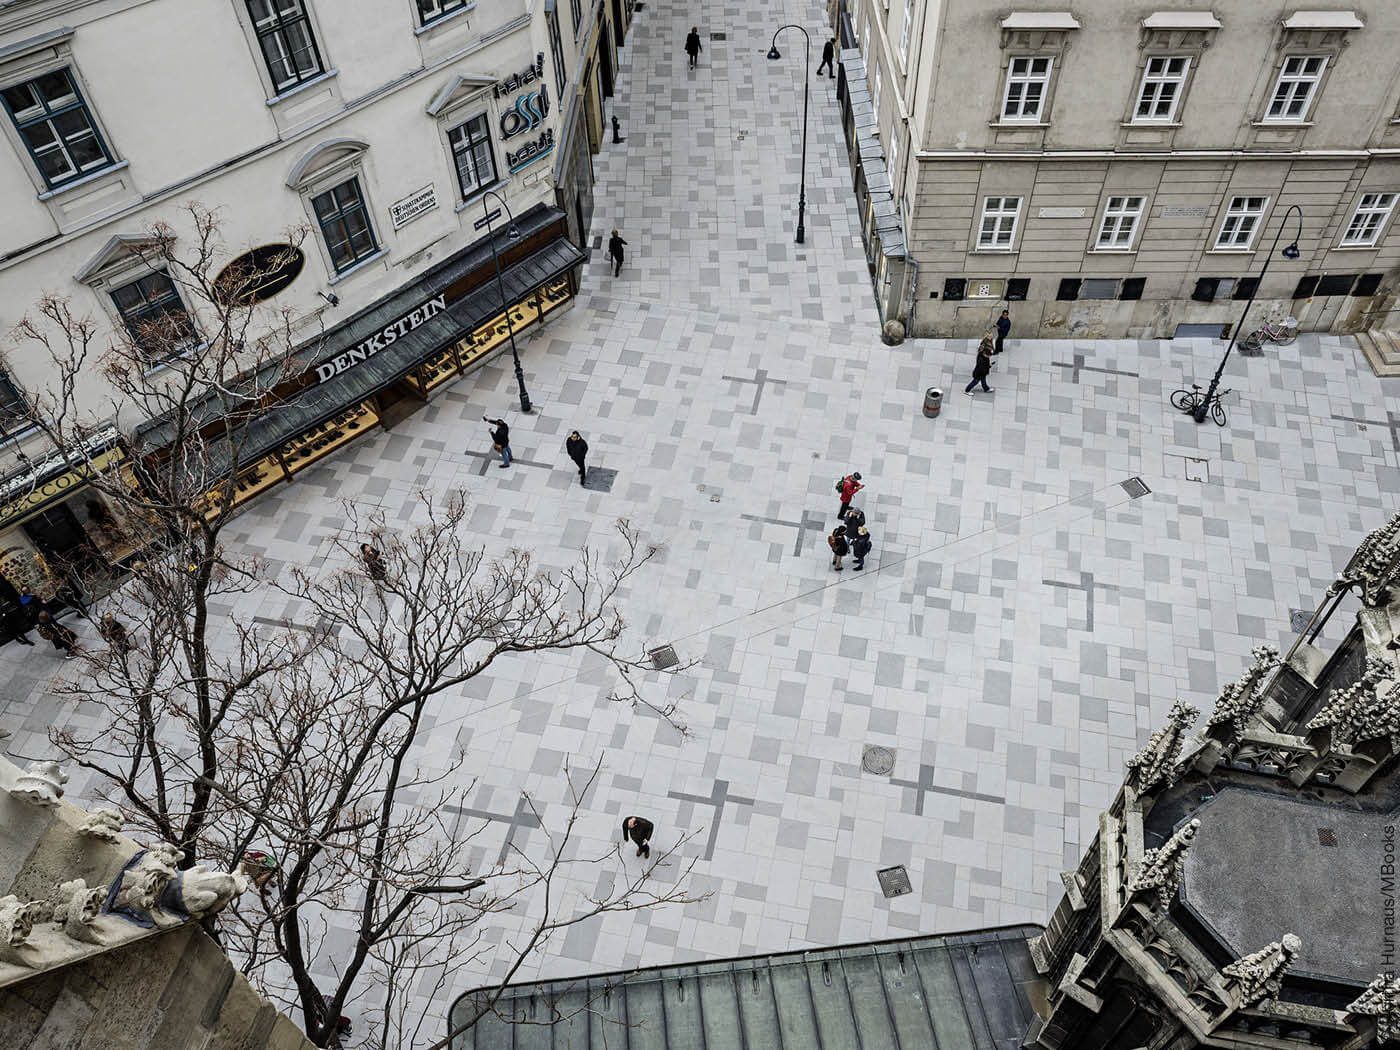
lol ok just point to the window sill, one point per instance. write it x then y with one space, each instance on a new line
358 266
468 202
305 85
1280 124
438 23
1229 251
1356 247
165 363
86 180
1112 251
1149 125
994 251
19 436
1017 125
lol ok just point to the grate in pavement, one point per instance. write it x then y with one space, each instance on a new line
894 882
877 759
718 36
1327 836
598 242
1136 488
599 479
663 656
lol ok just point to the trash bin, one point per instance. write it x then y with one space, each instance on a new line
933 401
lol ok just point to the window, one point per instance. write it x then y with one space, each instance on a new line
471 152
1368 220
1297 81
999 215
1119 226
865 44
875 93
894 161
1241 220
154 315
345 224
556 50
14 409
904 32
288 45
1026 82
432 10
1162 82
54 122
577 7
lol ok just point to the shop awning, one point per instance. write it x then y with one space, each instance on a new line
315 404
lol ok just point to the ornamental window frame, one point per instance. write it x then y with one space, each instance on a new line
277 31
1311 79
481 186
1232 219
1025 80
152 308
998 214
49 112
434 12
325 167
1374 218
1122 215
1158 81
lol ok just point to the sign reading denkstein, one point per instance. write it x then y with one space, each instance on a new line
380 340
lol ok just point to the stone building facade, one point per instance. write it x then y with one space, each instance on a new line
1240 891
414 144
1122 167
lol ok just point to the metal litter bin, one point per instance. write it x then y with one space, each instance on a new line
933 401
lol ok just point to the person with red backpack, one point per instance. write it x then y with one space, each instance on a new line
848 487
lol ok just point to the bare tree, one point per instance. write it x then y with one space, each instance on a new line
303 742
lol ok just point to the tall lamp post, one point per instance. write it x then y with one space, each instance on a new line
1289 252
512 232
774 54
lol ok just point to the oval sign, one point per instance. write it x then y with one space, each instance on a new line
259 274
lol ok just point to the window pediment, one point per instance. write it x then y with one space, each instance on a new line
323 158
457 90
116 258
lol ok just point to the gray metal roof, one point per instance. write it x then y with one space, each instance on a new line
962 992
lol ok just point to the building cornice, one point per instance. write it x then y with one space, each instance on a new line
1181 154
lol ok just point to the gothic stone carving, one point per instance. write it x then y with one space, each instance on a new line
41 783
200 892
1160 872
76 905
1381 1000
1375 565
1367 709
1260 974
1240 701
137 890
1155 765
102 824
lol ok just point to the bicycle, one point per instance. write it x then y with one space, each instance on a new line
1190 401
1282 333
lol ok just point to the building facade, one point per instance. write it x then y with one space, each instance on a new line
1119 168
393 137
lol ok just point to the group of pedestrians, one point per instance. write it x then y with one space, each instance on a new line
850 537
574 445
36 614
993 342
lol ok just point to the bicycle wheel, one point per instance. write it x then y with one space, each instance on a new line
1217 412
1252 343
1286 336
1185 400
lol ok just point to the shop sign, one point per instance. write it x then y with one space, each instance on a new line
529 110
531 151
385 337
417 203
519 80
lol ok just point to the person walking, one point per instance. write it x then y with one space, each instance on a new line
115 634
860 546
854 519
848 487
692 45
839 547
639 830
62 638
374 563
500 436
1003 330
828 58
615 245
981 368
578 451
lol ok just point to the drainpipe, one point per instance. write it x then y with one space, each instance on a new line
913 264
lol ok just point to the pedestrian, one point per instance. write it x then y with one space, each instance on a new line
500 436
615 244
639 830
860 546
617 130
374 563
848 487
115 634
578 450
854 519
839 547
692 45
62 638
1003 330
981 368
828 58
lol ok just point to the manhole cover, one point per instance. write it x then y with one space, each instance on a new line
663 656
1136 488
1298 620
877 759
1327 836
894 882
599 479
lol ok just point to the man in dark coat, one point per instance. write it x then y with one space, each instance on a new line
692 45
983 366
860 546
639 830
828 57
839 547
577 449
500 437
615 244
1003 330
62 638
854 519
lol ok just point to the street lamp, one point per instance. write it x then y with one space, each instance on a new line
1289 252
513 233
774 54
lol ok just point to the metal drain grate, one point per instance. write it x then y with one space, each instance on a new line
663 656
1327 836
1136 488
894 882
718 36
877 759
597 242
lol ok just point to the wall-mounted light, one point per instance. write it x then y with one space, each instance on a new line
333 299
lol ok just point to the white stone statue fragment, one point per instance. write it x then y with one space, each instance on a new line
143 881
200 892
17 920
41 783
1260 974
103 824
76 905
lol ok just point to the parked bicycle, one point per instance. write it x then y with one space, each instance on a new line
1283 334
1191 400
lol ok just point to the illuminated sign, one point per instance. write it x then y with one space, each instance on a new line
531 151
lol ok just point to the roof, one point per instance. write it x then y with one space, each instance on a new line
957 992
1323 20
1040 20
